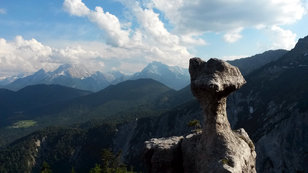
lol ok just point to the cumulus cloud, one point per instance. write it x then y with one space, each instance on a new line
281 38
228 15
233 35
2 11
156 39
109 23
192 40
22 55
28 56
148 41
76 7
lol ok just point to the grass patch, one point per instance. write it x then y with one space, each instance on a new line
23 124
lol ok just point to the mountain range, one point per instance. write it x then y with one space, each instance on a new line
272 107
75 76
78 76
172 76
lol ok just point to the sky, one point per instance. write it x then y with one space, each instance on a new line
126 35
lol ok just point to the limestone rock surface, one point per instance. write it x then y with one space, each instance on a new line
164 154
217 148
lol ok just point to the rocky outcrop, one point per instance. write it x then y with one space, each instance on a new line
164 154
273 110
217 148
221 149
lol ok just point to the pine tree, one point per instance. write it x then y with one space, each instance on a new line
110 163
96 169
195 124
46 168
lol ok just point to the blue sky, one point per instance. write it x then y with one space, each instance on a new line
125 35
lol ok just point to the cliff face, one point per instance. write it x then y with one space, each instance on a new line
272 107
217 148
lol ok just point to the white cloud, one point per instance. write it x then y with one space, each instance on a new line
76 7
192 40
2 11
226 15
22 55
281 38
233 35
28 56
128 48
147 41
306 5
156 39
153 27
109 23
233 57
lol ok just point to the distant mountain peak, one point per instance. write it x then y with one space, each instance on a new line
302 43
4 80
172 76
157 63
72 70
154 67
40 71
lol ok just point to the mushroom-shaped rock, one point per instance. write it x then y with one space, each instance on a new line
218 148
221 149
214 77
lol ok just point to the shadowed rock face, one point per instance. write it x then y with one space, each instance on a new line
221 149
211 83
217 148
214 77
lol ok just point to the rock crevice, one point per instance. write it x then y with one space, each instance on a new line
217 148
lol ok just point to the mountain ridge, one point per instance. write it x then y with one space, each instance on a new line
144 95
249 64
173 76
78 76
67 75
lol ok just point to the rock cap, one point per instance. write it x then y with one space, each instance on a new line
214 76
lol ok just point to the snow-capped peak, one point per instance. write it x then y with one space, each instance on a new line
72 70
155 67
160 69
4 80
172 76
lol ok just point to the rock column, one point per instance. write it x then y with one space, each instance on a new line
220 149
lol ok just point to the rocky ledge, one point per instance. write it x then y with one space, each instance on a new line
217 148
